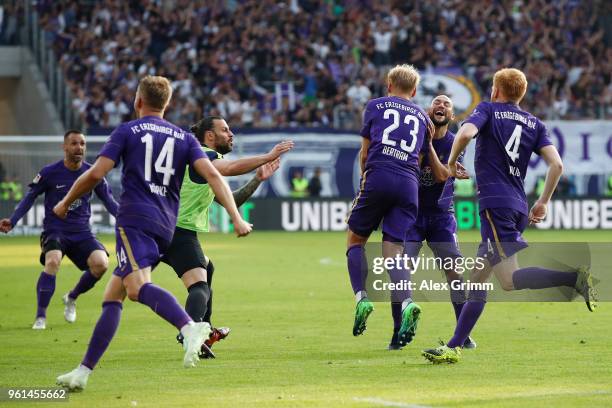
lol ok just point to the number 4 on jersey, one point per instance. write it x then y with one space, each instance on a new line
514 143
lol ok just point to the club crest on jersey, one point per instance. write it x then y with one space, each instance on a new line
427 179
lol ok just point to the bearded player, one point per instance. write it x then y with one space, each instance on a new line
185 254
436 220
71 236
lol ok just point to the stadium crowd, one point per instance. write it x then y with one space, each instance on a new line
263 63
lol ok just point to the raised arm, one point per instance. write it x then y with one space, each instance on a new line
84 184
223 193
103 191
36 189
248 164
246 191
553 174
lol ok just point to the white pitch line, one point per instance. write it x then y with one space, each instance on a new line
387 403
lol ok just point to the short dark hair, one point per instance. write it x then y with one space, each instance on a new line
71 131
204 125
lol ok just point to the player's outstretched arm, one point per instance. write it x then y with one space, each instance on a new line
246 191
36 189
464 136
248 164
555 169
223 193
84 184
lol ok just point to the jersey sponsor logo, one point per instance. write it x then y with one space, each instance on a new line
427 179
58 186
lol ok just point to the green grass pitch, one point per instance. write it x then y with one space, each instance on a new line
287 298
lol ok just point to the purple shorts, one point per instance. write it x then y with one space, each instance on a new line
137 249
440 231
501 230
388 197
77 246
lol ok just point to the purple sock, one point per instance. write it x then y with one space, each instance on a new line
540 278
457 297
396 312
164 304
44 291
469 316
357 267
87 281
400 277
103 333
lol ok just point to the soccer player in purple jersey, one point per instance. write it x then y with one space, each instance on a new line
155 154
507 136
71 236
436 220
394 140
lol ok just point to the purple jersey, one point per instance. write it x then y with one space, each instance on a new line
435 198
155 154
507 136
397 131
54 181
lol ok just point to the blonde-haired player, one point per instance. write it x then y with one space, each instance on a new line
155 154
506 138
395 137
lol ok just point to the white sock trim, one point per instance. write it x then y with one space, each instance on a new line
85 368
360 295
405 303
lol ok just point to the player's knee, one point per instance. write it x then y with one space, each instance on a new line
355 239
506 285
98 265
52 264
132 293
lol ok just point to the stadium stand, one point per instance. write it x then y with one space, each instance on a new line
228 57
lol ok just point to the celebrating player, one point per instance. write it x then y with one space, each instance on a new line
155 154
507 136
394 140
436 222
185 254
71 236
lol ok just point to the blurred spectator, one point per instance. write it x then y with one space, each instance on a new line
2 172
299 185
314 184
358 93
227 55
115 112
